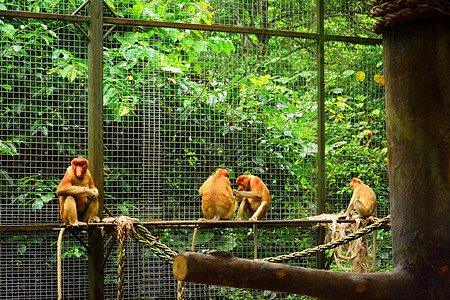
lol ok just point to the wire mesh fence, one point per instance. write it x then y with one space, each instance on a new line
179 103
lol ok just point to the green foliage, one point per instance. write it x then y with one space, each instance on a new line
234 100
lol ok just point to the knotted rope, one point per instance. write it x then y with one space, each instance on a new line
124 228
143 236
393 12
133 228
333 244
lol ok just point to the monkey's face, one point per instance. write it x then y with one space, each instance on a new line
243 183
354 183
79 166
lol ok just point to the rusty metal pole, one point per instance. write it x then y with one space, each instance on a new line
321 173
95 142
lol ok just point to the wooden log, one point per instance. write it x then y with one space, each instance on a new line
220 268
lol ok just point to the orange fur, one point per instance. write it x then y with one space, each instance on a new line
218 202
251 203
363 199
77 194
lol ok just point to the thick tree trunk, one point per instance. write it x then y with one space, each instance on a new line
417 70
417 73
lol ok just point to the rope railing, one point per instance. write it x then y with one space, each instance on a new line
331 245
133 228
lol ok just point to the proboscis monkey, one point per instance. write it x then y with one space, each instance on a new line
363 199
255 197
78 200
78 194
218 202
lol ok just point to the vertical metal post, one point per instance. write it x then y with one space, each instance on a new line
95 141
255 241
321 125
374 251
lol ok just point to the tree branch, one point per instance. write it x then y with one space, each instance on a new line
220 268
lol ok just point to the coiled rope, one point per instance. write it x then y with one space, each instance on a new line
393 12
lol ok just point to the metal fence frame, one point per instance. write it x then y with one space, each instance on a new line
96 21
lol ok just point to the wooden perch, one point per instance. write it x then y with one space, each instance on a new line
220 268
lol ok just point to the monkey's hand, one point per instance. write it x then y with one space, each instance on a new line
92 193
237 196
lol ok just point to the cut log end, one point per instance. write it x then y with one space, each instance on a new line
180 268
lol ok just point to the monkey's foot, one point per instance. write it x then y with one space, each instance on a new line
95 220
76 224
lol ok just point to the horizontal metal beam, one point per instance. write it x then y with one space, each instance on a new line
37 227
218 28
43 16
183 224
230 29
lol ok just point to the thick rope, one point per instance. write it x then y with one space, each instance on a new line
124 228
181 289
353 236
393 12
120 265
143 236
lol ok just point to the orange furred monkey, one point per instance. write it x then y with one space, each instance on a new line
255 197
218 202
78 194
363 199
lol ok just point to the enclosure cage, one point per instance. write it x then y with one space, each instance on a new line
158 95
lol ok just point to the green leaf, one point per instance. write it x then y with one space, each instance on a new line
8 29
200 46
21 248
227 243
261 80
37 205
348 73
307 74
137 9
172 69
69 72
47 198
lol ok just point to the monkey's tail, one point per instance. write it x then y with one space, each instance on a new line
59 259
193 239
